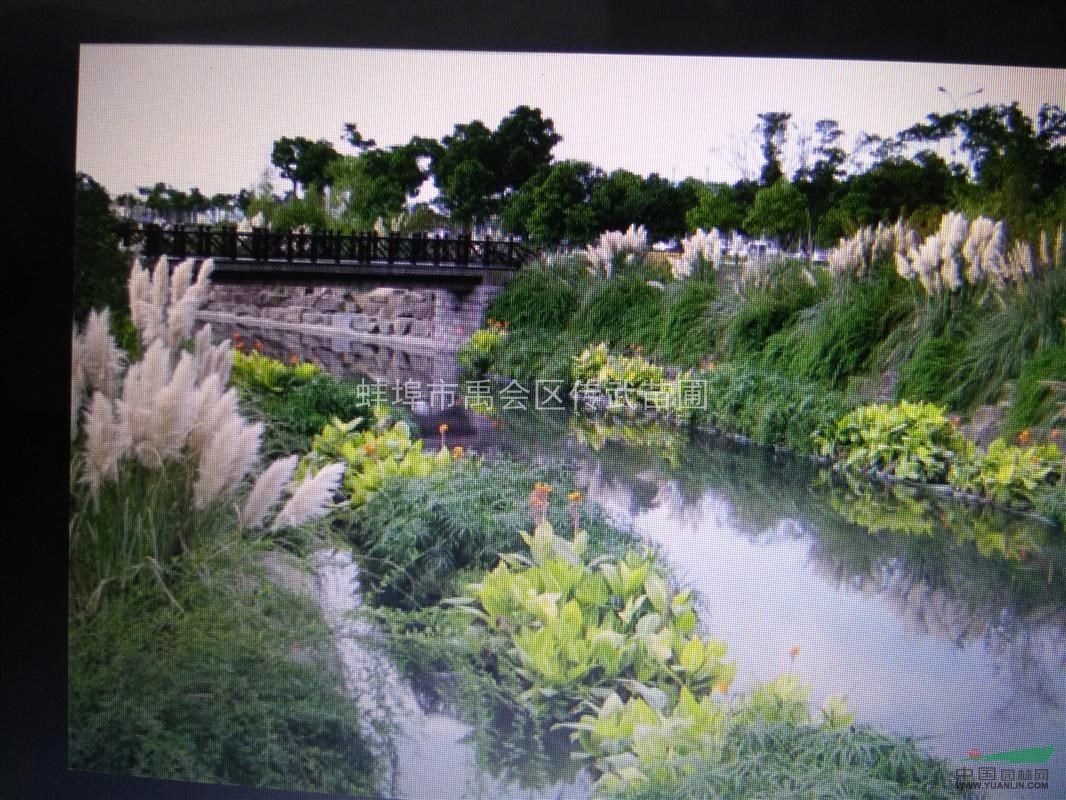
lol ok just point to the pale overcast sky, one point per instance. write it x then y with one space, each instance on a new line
207 116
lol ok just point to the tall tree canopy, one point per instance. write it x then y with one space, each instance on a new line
303 161
475 168
773 129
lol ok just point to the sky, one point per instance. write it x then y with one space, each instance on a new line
207 116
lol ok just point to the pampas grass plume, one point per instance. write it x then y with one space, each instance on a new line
267 490
311 497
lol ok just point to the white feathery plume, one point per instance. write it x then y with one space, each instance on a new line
140 296
700 247
157 303
267 490
1060 248
612 244
1045 250
106 442
181 279
172 411
311 497
144 380
226 459
101 358
77 381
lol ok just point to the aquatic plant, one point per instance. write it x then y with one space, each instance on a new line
373 455
909 440
254 370
1008 473
577 622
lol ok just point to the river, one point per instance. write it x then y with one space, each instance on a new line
934 619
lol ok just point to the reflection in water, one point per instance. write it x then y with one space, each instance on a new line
937 618
934 618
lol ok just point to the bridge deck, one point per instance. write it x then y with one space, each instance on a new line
264 252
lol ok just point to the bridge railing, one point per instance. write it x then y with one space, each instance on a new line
323 247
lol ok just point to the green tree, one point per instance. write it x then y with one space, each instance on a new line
476 169
100 268
616 200
779 211
773 129
377 183
554 205
303 161
1019 166
523 143
717 206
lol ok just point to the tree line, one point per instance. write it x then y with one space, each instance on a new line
808 190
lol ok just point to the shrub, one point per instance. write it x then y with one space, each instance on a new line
836 340
1005 338
295 415
767 407
596 365
477 354
540 298
764 313
417 537
927 375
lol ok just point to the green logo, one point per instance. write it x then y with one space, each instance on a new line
1030 755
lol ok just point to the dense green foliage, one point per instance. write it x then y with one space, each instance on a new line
295 400
237 686
789 761
1041 392
689 331
622 312
766 407
100 268
416 537
539 298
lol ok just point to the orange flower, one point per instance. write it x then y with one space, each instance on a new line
442 428
370 447
793 651
241 346
722 687
575 497
1024 436
235 335
457 451
1055 435
294 359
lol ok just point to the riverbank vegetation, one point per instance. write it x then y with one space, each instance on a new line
960 327
189 543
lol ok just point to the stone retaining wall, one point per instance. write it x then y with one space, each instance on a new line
446 316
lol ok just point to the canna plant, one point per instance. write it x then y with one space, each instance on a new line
575 624
916 441
1007 473
373 455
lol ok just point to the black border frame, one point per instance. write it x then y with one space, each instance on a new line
41 55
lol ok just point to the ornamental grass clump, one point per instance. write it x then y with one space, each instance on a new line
700 250
617 249
162 451
856 256
963 253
